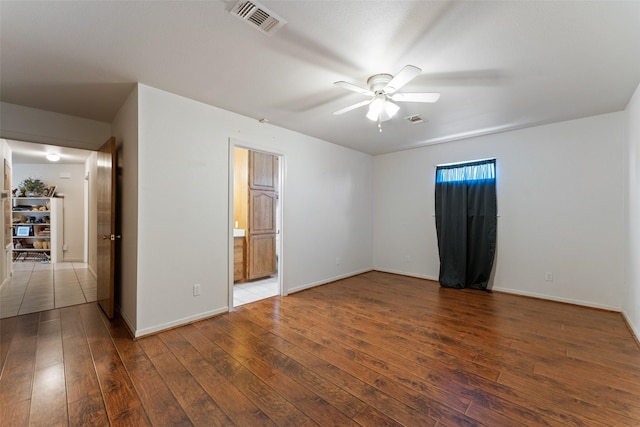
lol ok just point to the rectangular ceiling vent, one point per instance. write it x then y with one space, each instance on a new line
415 119
258 16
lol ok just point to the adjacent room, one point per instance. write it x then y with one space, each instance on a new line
50 217
321 213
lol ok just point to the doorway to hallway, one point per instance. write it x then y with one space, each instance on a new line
32 284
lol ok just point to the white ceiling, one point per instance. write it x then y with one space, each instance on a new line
29 153
498 65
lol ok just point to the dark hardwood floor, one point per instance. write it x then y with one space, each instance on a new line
372 350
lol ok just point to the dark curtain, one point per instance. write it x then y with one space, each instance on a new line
466 223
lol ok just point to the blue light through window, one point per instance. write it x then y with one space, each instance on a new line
474 171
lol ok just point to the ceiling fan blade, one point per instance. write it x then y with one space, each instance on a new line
408 73
416 97
352 107
354 88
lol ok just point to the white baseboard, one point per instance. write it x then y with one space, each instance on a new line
179 322
324 282
558 299
634 328
405 273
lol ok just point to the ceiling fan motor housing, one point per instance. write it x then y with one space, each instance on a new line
379 82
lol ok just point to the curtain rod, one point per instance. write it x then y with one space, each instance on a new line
466 161
497 215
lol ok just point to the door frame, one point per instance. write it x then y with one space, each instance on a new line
233 143
106 291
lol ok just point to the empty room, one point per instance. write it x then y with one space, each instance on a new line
442 196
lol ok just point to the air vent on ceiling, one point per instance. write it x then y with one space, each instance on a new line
258 16
415 119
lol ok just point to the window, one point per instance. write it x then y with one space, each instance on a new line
473 171
465 207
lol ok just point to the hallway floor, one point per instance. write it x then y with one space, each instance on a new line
38 287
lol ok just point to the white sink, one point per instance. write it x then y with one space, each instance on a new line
238 232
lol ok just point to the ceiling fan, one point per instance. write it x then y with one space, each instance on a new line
382 90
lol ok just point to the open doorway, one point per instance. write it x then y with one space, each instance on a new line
255 210
52 269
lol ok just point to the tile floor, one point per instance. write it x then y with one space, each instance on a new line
37 286
244 293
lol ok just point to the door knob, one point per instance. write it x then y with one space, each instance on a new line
111 237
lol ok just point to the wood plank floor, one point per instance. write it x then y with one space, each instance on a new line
373 350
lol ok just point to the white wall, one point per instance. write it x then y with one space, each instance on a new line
183 220
45 127
69 180
125 129
561 198
631 306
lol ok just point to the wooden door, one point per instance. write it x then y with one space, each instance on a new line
106 251
262 171
261 240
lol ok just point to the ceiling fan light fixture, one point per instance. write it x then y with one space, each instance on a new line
383 89
375 108
390 110
372 115
381 109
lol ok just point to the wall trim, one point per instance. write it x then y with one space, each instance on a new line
76 260
558 299
405 273
179 322
634 330
324 282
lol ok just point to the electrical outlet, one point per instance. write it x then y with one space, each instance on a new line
548 276
407 258
196 290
